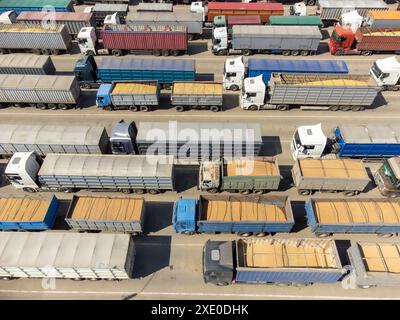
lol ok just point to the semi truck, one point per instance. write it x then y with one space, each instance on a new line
244 175
230 21
309 92
66 255
72 172
26 214
74 21
8 17
21 63
386 73
36 5
37 39
286 40
352 141
193 21
112 214
90 74
329 216
139 39
242 215
387 177
102 10
295 21
330 175
364 41
279 261
382 19
330 11
235 70
39 91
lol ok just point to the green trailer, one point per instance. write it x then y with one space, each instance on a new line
295 21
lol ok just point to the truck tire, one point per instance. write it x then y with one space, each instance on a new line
253 108
116 52
339 53
188 233
221 53
222 283
46 52
63 106
356 108
334 108
394 88
3 51
175 53
304 192
153 191
41 106
86 86
295 52
144 108
55 52
244 234
139 191
364 287
180 108
366 53
283 107
304 53
244 191
167 86
190 37
165 53
212 190
214 108
345 108
53 106
133 108
28 189
157 53
323 235
90 53
37 51
392 195
258 191
286 53
234 87
126 191
260 234
349 193
247 52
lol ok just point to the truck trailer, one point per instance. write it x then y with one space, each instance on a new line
382 19
286 40
110 69
351 141
37 39
330 175
39 91
154 7
278 261
242 215
235 70
66 255
21 63
116 214
74 21
309 92
36 5
243 175
329 216
102 10
295 21
230 21
71 172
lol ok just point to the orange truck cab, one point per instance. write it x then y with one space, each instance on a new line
342 41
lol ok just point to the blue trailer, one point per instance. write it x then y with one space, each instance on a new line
36 5
111 69
328 216
27 214
243 215
266 67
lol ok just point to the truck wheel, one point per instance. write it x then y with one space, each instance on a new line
180 108
63 106
37 51
393 195
283 107
364 287
55 52
304 192
133 108
214 108
53 106
41 106
212 190
126 191
86 86
244 234
189 233
295 52
310 2
385 235
165 53
366 53
345 108
258 191
334 108
244 191
90 53
175 53
66 190
286 52
28 189
222 53
394 88
144 108
153 191
190 37
116 52
157 53
167 86
234 87
260 234
3 51
247 52
356 108
348 193
253 108
339 53
322 235
222 283
138 191
46 52
304 53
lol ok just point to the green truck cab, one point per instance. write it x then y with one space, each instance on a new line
387 178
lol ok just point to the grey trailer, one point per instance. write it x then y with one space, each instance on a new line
193 21
66 255
274 39
40 91
197 95
74 21
154 7
22 63
374 264
322 91
331 11
101 10
330 175
52 139
114 214
125 173
37 39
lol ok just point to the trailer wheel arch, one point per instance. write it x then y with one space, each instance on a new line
55 52
139 191
244 234
245 191
385 235
345 108
356 108
258 191
126 191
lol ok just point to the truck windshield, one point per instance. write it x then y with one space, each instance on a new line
378 72
389 174
118 147
336 37
297 140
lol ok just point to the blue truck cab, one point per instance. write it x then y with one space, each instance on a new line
85 71
103 97
184 216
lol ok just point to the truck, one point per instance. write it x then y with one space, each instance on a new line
330 175
286 40
279 261
330 11
21 63
230 21
154 7
90 74
28 172
193 21
39 91
295 21
102 10
243 215
328 216
37 39
382 19
66 255
244 175
74 21
235 70
139 39
372 141
386 73
309 92
36 5
364 41
112 214
387 177
8 17
27 214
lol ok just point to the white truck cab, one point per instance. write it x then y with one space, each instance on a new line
234 72
8 17
298 9
111 20
386 73
87 40
198 7
252 96
219 39
308 142
22 170
351 20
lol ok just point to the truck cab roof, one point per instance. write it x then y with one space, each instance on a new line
18 162
218 255
312 135
234 65
390 64
254 84
395 165
186 209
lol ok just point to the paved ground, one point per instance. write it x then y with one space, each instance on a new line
169 265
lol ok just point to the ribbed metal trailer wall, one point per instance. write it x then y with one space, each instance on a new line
21 63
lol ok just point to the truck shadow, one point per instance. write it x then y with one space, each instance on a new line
152 254
88 99
207 34
60 223
186 177
379 101
371 185
287 180
158 216
342 246
3 180
323 48
325 34
299 214
197 47
271 146
205 77
231 101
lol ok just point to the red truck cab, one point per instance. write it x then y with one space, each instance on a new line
342 41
